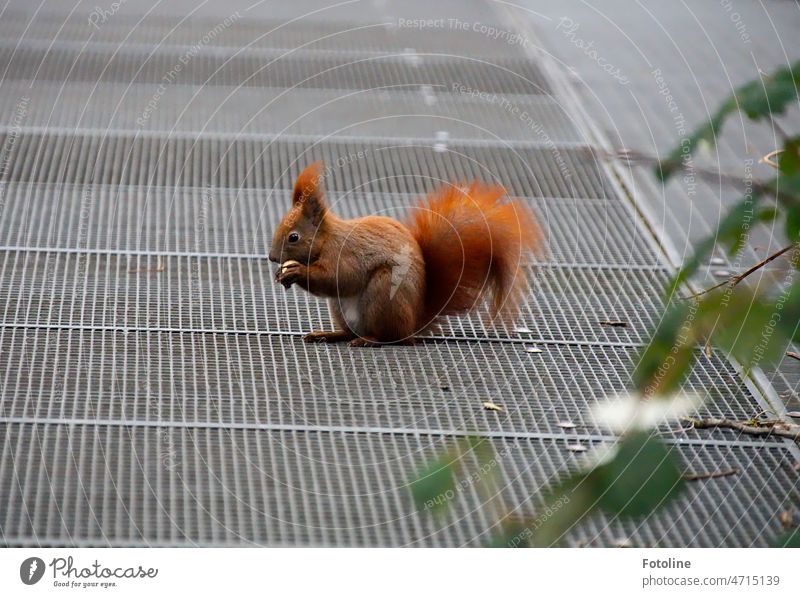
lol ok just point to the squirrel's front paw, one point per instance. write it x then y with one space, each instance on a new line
289 273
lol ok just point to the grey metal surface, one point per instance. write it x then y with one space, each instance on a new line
154 388
306 68
193 486
273 381
391 166
391 112
146 219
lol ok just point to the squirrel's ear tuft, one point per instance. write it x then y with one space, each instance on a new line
309 193
309 183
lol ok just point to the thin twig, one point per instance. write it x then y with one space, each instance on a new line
711 475
632 156
772 427
767 159
734 280
794 355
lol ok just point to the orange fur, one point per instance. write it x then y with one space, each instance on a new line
473 242
386 281
308 183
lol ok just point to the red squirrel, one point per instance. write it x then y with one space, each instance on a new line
387 281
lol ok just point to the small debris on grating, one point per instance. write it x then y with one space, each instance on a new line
444 388
141 270
717 261
786 518
722 273
566 424
576 447
793 355
615 324
795 414
492 406
711 475
533 349
521 329
622 542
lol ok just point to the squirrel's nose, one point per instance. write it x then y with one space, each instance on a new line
273 257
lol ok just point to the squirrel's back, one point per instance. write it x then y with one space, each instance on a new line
473 240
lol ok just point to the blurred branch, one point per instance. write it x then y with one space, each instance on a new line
771 427
631 156
734 280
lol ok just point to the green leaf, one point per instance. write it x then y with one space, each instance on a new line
786 188
764 97
640 479
747 326
790 539
513 533
769 95
747 335
735 227
681 156
703 250
565 506
666 359
793 224
791 311
732 232
789 160
434 487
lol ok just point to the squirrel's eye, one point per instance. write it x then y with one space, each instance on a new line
293 237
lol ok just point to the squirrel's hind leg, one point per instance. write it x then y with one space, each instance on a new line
335 336
390 304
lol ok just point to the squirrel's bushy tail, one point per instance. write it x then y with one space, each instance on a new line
473 239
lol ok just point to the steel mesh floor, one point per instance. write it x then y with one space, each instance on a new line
154 388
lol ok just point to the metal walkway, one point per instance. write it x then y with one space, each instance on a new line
154 387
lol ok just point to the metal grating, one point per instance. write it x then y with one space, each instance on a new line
239 295
296 68
391 166
387 113
274 382
96 484
390 35
240 222
153 386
